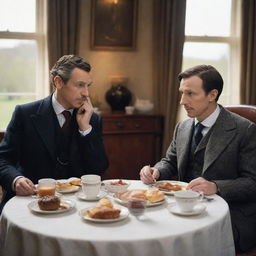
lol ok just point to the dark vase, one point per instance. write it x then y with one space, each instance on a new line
118 96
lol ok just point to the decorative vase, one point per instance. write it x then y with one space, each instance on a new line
118 97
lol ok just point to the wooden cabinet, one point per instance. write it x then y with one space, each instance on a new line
131 141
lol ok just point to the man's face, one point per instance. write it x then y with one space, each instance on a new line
194 99
75 91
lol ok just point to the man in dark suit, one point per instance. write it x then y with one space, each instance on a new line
214 150
56 137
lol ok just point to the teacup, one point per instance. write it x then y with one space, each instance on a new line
91 185
187 199
129 110
46 187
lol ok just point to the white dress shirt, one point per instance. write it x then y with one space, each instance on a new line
58 109
209 121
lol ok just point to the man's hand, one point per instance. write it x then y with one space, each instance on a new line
202 185
24 187
148 174
84 114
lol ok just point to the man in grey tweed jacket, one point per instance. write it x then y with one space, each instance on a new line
223 162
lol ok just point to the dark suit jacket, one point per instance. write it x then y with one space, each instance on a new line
28 147
229 160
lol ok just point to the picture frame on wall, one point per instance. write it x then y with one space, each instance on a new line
114 24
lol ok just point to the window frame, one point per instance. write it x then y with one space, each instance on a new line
42 86
233 76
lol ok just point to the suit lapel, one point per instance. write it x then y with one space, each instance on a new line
184 137
43 122
222 134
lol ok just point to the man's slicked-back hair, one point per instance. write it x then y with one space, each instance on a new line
210 76
65 65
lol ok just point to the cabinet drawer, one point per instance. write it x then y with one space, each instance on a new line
131 125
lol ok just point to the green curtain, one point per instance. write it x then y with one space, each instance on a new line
62 28
168 40
248 53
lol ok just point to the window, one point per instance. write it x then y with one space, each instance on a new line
212 37
22 54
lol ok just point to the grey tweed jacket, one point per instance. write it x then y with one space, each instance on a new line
229 161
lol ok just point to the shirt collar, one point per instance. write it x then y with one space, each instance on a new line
211 119
58 108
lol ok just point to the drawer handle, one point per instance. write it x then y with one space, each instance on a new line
137 125
120 125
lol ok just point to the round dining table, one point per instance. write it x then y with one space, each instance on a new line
157 232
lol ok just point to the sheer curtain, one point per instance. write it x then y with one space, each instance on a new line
62 28
248 58
168 39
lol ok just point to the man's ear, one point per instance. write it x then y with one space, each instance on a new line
213 95
58 82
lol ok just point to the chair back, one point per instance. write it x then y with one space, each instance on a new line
246 111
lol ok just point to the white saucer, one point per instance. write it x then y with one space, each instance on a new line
82 196
199 208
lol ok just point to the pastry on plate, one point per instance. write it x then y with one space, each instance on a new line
103 210
169 186
152 196
49 203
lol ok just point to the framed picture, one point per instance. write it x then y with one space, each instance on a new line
113 24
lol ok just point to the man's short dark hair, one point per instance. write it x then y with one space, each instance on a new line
65 65
210 76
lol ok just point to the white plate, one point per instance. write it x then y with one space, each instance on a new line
67 206
199 208
123 215
174 182
82 196
71 190
148 204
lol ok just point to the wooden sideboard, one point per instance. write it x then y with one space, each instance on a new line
131 141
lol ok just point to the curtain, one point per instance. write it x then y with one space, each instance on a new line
168 40
248 58
62 28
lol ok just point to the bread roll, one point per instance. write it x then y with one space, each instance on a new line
135 193
154 196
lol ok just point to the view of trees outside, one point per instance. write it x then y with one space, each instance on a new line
17 56
17 76
215 54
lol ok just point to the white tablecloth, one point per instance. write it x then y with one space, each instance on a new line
158 233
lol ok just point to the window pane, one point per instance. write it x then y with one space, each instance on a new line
18 75
215 54
7 105
208 17
17 15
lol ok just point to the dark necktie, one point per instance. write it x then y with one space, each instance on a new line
67 122
198 133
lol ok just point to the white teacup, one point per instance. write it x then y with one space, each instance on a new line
91 185
129 110
187 199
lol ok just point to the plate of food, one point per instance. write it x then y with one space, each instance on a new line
104 211
170 186
153 197
51 205
116 185
66 186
